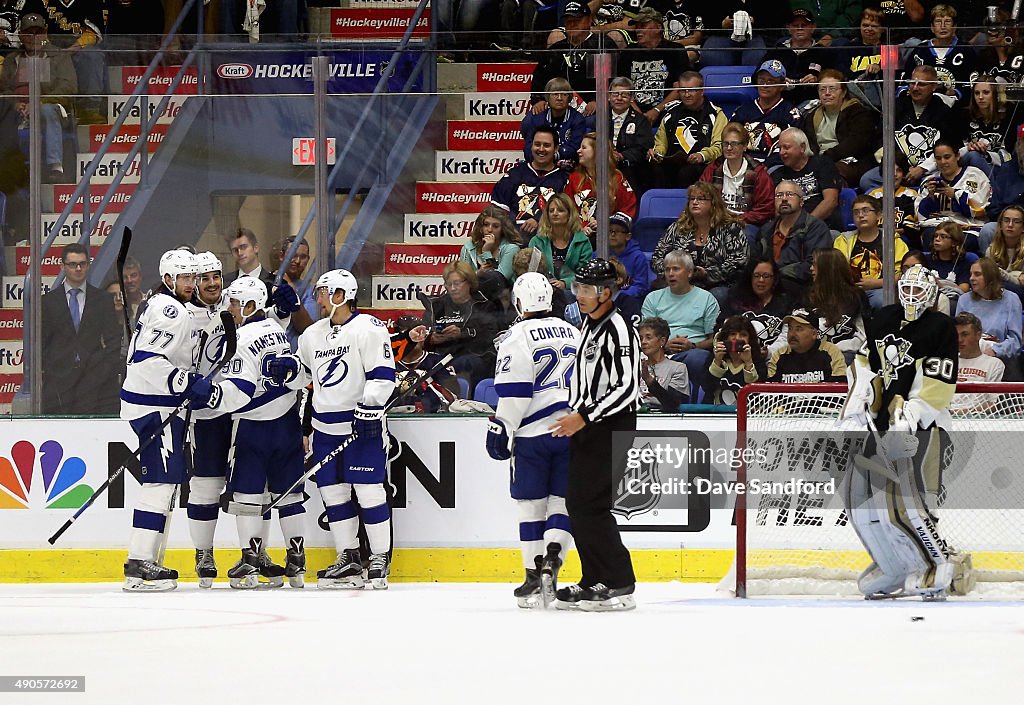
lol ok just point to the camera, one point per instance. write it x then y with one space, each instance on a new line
734 346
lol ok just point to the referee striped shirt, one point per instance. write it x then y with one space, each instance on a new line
607 377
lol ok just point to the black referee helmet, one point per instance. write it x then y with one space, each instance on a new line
599 272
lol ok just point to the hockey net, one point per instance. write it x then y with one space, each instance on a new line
797 540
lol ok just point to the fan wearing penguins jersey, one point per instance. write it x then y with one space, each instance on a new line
903 381
347 355
159 378
261 408
535 363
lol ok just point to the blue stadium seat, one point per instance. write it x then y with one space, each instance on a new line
647 232
463 388
846 197
665 203
728 86
485 392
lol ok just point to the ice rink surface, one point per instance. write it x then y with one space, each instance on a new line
468 643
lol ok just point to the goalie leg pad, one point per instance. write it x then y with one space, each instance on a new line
870 502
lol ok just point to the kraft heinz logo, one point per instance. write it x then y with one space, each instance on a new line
504 77
433 197
234 70
476 135
419 259
436 228
481 166
495 106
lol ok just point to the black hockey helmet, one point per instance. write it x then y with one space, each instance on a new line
599 272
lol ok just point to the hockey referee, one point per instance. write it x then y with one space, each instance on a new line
603 393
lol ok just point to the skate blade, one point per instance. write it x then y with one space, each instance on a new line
297 581
547 590
339 583
249 582
206 583
140 585
529 602
272 582
567 606
615 604
379 583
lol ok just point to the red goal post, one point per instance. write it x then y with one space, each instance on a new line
981 510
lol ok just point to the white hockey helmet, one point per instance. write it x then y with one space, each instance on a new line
532 293
208 262
917 291
246 289
339 279
177 262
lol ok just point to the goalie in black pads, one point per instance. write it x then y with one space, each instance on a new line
901 385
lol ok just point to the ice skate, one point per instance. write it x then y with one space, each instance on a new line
549 573
295 564
606 599
570 597
378 570
147 576
528 594
245 575
346 573
273 573
206 569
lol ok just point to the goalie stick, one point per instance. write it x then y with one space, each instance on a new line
246 509
230 343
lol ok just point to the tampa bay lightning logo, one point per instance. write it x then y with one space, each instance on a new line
170 311
332 372
214 347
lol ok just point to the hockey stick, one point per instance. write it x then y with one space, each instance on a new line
230 343
122 257
246 509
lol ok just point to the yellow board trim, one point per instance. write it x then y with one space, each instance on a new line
455 565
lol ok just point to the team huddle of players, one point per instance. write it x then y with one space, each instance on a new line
247 431
901 386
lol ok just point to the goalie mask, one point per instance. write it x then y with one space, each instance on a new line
532 293
917 291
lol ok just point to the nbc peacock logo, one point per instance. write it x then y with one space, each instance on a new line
62 476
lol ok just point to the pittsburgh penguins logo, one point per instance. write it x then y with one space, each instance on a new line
679 24
916 141
586 203
766 326
842 330
894 354
687 133
730 391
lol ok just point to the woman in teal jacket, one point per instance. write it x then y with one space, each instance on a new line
493 244
562 241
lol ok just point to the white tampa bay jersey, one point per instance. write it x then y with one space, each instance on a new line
348 364
248 392
160 355
535 365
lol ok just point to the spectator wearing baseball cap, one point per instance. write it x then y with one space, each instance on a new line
610 20
626 250
652 64
836 18
806 358
802 55
767 115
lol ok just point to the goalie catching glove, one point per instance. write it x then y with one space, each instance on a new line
369 421
497 439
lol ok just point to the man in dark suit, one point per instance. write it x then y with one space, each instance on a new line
81 343
246 250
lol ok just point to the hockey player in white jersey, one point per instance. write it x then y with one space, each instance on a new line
535 363
266 438
347 355
159 378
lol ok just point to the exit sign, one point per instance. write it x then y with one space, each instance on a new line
304 154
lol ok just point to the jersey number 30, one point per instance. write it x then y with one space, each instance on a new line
549 376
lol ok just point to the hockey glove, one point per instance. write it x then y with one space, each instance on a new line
285 300
899 441
369 421
281 369
497 439
201 393
608 14
860 379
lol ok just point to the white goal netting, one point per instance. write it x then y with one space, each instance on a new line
797 540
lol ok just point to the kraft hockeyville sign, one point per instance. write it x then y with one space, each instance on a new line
419 259
118 201
404 291
434 197
378 23
474 166
438 228
71 230
12 324
495 106
160 81
504 78
49 266
479 135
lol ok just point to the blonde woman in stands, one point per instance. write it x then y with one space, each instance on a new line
493 243
1007 249
582 186
562 241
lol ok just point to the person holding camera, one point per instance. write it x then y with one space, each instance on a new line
737 360
664 383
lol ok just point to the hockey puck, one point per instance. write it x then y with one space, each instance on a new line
917 619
